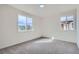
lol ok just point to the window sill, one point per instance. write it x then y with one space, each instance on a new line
25 30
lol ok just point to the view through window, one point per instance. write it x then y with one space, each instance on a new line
24 23
67 22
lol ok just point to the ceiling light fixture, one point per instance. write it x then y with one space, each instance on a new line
42 6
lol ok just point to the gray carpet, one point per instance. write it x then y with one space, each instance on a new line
42 46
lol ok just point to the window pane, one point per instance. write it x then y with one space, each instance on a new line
21 22
63 18
29 23
70 18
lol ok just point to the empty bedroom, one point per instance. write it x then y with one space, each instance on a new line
39 28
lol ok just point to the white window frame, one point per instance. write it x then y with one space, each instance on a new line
64 20
24 17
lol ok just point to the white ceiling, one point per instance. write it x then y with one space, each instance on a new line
47 11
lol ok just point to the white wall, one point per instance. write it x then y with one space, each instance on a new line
9 34
52 28
77 33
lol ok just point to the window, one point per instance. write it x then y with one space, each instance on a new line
29 23
67 23
24 23
21 23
